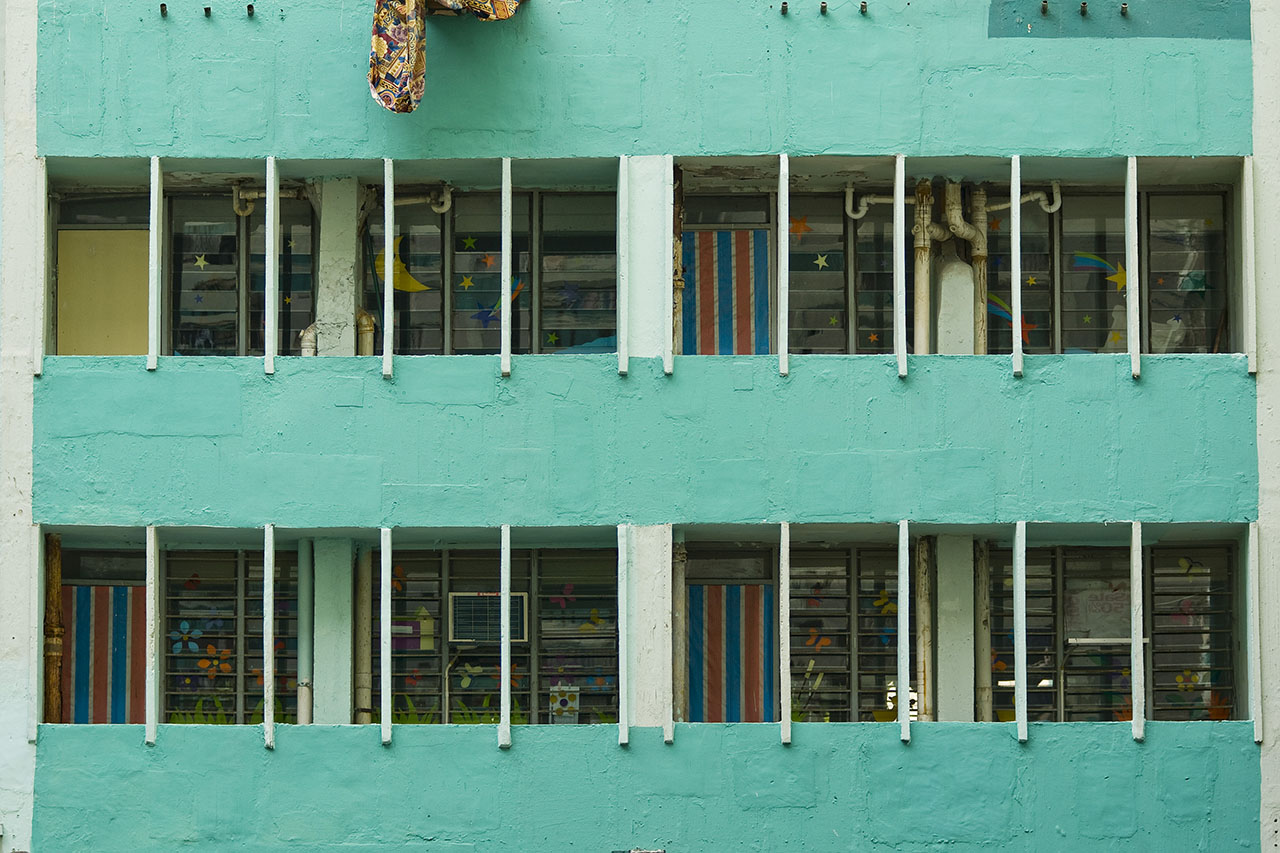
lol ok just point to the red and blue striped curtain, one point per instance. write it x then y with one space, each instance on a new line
726 292
103 654
731 653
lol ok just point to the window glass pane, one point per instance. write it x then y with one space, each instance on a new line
873 282
477 267
818 319
107 210
726 306
473 669
577 623
204 274
1042 635
297 274
1093 279
821 637
877 640
1187 273
1037 283
418 278
1096 608
201 642
417 623
1192 613
579 273
742 210
285 629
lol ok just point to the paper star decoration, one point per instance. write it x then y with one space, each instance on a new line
553 338
1177 318
832 321
293 244
466 283
800 226
820 262
1159 281
994 225
1031 280
288 300
489 260
201 262
874 337
1119 278
570 295
468 242
199 298
1086 319
486 315
1114 338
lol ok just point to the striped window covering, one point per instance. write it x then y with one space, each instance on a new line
732 645
104 654
726 292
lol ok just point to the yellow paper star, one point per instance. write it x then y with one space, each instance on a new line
821 262
1031 280
288 300
468 242
201 262
293 244
1208 223
800 226
831 321
1115 338
466 283
1119 278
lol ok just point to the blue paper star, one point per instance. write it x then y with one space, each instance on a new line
485 315
1177 318
570 295
199 299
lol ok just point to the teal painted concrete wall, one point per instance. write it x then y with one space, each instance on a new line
571 78
968 787
566 441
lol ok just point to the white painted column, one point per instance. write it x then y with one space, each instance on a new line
622 237
1133 279
269 636
334 610
151 714
388 265
784 628
35 677
384 636
1015 256
644 257
155 253
1249 291
667 268
1254 629
44 278
900 263
504 613
649 611
1137 659
903 686
271 297
624 674
784 269
505 267
955 649
1020 629
306 629
339 275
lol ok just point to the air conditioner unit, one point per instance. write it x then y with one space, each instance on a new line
475 617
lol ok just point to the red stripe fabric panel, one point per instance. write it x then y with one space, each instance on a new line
742 304
68 652
101 706
752 654
706 293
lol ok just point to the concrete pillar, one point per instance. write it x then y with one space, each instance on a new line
649 241
338 266
955 302
649 650
954 648
334 573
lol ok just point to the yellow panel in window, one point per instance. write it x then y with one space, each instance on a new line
102 292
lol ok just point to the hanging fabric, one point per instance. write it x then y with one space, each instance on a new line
485 10
397 63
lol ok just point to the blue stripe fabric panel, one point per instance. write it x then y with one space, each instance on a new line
697 624
119 679
760 291
84 653
769 654
733 653
689 320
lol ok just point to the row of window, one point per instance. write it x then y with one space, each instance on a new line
445 636
445 273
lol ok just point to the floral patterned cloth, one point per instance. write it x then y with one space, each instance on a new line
397 62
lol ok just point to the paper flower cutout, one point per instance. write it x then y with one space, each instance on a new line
193 581
216 663
1188 680
885 603
565 596
184 638
398 579
469 673
593 621
816 641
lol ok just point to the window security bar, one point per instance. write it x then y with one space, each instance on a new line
902 697
388 291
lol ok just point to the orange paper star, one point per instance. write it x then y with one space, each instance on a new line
800 225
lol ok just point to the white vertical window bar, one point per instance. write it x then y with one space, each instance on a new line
902 686
152 716
269 633
668 266
504 613
1020 628
271 298
900 262
622 236
784 627
1015 256
384 637
35 636
155 236
624 680
1137 659
388 273
40 315
784 269
1255 634
505 266
1133 278
1249 295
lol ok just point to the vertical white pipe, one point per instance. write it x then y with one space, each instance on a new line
504 592
35 636
1133 278
1137 658
152 716
271 298
388 278
1020 628
155 235
624 675
384 638
784 627
505 266
900 264
903 685
784 276
1249 297
668 266
269 636
1015 257
622 236
39 315
1255 633
306 629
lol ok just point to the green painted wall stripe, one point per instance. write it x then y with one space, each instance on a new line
327 442
1201 19
838 787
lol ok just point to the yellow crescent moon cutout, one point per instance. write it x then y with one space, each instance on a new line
402 280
